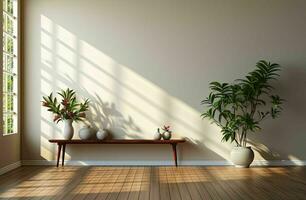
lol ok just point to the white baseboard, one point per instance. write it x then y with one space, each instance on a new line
100 162
279 163
164 163
150 163
10 167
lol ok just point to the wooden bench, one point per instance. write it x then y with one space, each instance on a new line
62 143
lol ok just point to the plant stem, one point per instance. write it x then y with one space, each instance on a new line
243 136
238 137
236 142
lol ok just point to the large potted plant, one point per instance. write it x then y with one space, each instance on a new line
238 108
68 109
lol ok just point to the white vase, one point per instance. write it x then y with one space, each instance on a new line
242 156
157 136
85 133
102 134
167 135
68 129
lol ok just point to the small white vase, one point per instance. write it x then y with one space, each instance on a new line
85 133
167 135
242 156
68 129
102 134
157 136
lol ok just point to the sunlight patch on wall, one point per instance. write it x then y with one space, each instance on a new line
66 57
66 38
47 131
46 24
146 102
46 40
55 54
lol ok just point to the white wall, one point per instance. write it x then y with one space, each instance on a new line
146 63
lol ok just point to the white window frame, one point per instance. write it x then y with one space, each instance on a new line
17 56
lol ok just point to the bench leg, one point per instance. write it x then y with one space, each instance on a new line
63 155
58 153
174 154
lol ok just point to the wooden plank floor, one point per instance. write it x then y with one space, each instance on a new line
151 183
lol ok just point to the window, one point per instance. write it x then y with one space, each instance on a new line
10 66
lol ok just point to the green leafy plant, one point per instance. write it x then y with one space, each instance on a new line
67 108
239 108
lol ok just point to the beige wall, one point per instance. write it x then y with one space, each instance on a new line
9 145
10 149
146 63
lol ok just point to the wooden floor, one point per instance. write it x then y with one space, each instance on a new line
40 182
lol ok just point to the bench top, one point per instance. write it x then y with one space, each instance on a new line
118 141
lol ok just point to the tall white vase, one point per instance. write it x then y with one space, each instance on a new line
68 129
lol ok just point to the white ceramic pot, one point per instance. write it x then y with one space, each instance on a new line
68 129
85 133
242 156
102 134
167 135
157 136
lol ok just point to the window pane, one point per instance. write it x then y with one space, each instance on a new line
9 64
9 25
10 103
10 6
8 44
10 124
9 83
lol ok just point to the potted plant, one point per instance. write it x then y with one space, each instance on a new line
167 133
68 109
238 108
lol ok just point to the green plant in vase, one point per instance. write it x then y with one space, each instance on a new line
238 108
167 133
67 109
